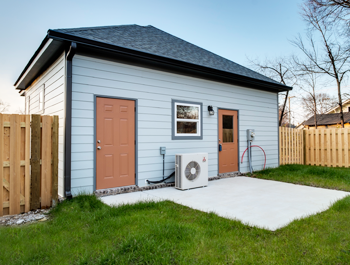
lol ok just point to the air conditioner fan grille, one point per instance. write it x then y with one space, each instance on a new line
192 170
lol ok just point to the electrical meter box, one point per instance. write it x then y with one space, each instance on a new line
162 150
250 134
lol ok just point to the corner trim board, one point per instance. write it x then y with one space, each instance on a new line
68 123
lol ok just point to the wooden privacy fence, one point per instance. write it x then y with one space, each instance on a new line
327 147
319 147
291 146
29 157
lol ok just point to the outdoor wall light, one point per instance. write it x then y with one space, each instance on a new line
211 110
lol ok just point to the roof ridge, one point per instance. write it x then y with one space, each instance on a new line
99 27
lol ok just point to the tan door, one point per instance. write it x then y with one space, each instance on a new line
228 139
115 143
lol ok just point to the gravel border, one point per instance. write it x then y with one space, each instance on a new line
135 188
39 215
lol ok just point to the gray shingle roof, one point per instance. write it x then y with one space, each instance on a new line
328 119
154 41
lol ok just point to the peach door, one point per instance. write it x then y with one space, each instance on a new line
115 143
228 139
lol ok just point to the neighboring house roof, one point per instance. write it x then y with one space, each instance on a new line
337 107
151 44
328 119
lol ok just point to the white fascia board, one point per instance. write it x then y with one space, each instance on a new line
34 61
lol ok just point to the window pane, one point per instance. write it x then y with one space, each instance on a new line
227 128
187 112
187 127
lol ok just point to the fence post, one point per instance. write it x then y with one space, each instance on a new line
46 185
1 161
54 173
15 164
35 162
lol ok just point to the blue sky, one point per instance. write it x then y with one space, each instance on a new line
233 29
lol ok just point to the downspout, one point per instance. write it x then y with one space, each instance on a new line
68 123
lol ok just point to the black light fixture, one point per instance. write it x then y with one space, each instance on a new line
211 110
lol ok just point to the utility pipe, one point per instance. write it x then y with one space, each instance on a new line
68 123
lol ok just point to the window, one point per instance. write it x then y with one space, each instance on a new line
227 128
186 120
41 98
348 109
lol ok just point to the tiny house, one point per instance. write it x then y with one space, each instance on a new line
122 92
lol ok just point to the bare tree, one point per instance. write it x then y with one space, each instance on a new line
285 116
3 106
335 8
280 70
20 111
333 59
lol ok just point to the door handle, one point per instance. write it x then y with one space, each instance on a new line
99 147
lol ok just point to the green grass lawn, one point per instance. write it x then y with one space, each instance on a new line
325 177
85 231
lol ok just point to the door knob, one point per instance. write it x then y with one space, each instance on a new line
99 147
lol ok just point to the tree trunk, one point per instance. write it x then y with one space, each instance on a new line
284 106
340 105
315 112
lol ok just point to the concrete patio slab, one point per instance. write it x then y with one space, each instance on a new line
263 203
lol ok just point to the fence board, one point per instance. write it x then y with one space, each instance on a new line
322 146
334 150
307 151
35 163
317 147
346 147
340 148
328 159
312 146
1 160
54 173
289 148
27 164
301 147
15 167
46 162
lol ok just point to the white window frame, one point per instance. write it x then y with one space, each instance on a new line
199 121
41 99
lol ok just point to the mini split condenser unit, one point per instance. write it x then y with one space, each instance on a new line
191 171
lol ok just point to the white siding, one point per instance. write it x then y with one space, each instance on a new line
154 91
53 80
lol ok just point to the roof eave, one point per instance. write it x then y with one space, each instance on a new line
42 57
